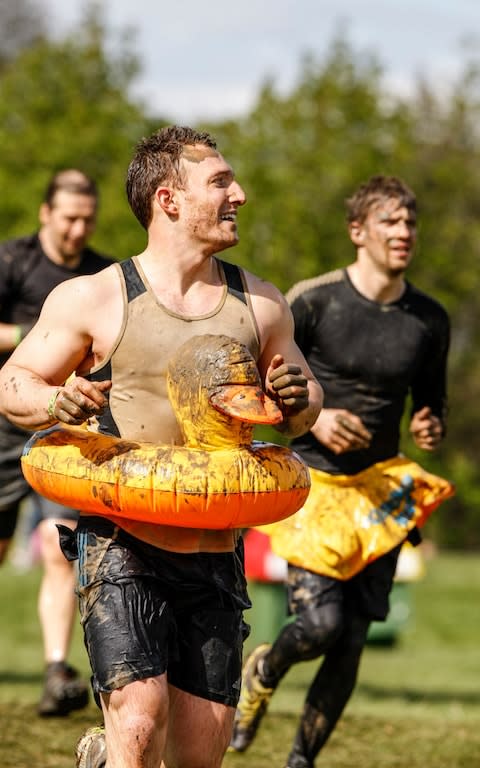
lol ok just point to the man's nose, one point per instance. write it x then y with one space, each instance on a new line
236 194
79 228
405 229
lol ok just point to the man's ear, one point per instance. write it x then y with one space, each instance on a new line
357 233
44 214
166 200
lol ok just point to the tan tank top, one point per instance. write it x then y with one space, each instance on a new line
139 408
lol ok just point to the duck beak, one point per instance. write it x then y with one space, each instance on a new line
247 403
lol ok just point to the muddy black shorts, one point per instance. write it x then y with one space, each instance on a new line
366 594
146 611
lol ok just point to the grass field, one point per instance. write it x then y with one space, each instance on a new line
417 704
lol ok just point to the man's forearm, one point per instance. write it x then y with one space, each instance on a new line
25 398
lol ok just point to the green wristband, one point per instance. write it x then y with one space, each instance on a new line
18 335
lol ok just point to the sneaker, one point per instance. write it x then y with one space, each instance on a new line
63 692
254 700
91 751
298 763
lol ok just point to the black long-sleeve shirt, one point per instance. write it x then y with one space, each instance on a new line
368 357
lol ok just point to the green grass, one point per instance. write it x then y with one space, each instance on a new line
417 704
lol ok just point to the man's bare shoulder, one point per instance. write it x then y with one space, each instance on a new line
96 287
261 288
272 314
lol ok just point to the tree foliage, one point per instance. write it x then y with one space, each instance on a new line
301 155
67 104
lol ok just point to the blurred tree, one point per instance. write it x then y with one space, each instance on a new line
444 169
66 104
299 156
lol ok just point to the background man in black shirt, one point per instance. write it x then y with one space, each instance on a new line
30 267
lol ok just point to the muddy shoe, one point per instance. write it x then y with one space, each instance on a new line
91 751
254 700
63 692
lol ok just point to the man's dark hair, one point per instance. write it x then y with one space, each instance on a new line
376 190
70 180
157 161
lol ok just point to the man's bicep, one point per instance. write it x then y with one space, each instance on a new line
50 352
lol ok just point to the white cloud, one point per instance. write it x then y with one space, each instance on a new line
209 59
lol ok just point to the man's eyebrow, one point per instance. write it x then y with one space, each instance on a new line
389 215
227 174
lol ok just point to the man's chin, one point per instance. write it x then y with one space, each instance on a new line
223 244
72 256
73 249
397 271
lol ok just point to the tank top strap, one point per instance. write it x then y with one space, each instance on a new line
234 281
133 282
135 285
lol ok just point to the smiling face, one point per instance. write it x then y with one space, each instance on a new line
209 201
66 225
387 236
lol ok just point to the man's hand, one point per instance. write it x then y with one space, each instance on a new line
426 429
79 400
341 431
286 383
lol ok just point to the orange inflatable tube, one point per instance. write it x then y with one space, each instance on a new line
219 479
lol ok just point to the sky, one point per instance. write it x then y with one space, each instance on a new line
208 60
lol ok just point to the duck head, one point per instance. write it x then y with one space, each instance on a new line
216 392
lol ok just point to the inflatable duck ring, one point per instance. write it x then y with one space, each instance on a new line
220 478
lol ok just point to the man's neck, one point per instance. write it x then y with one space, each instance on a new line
375 285
186 286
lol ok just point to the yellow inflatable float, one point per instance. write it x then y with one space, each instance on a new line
348 521
220 478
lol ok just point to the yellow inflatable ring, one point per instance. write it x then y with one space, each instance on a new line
219 479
